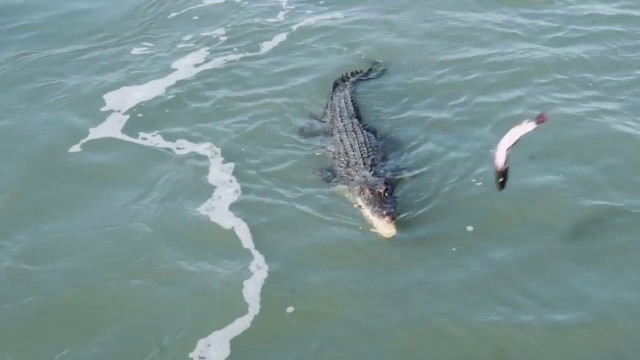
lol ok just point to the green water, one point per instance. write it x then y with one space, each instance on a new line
119 248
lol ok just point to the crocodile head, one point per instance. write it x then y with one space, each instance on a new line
375 199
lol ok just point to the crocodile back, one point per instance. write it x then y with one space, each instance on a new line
355 147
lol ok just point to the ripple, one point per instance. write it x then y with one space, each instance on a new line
227 190
459 75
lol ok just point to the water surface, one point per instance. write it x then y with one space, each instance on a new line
157 202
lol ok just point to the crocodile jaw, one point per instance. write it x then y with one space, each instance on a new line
380 225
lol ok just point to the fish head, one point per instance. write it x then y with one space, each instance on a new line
376 200
541 118
502 175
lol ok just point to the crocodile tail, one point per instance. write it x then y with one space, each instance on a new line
376 70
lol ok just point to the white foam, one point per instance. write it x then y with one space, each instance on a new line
147 44
469 228
216 32
280 16
314 19
59 356
140 50
290 309
216 208
282 13
219 33
227 190
204 3
268 45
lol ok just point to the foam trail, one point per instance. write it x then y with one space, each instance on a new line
217 345
216 208
220 33
127 97
204 3
140 50
282 13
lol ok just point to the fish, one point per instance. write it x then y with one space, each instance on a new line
506 143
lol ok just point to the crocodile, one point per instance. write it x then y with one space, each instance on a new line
357 153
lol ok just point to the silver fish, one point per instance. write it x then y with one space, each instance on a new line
501 153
